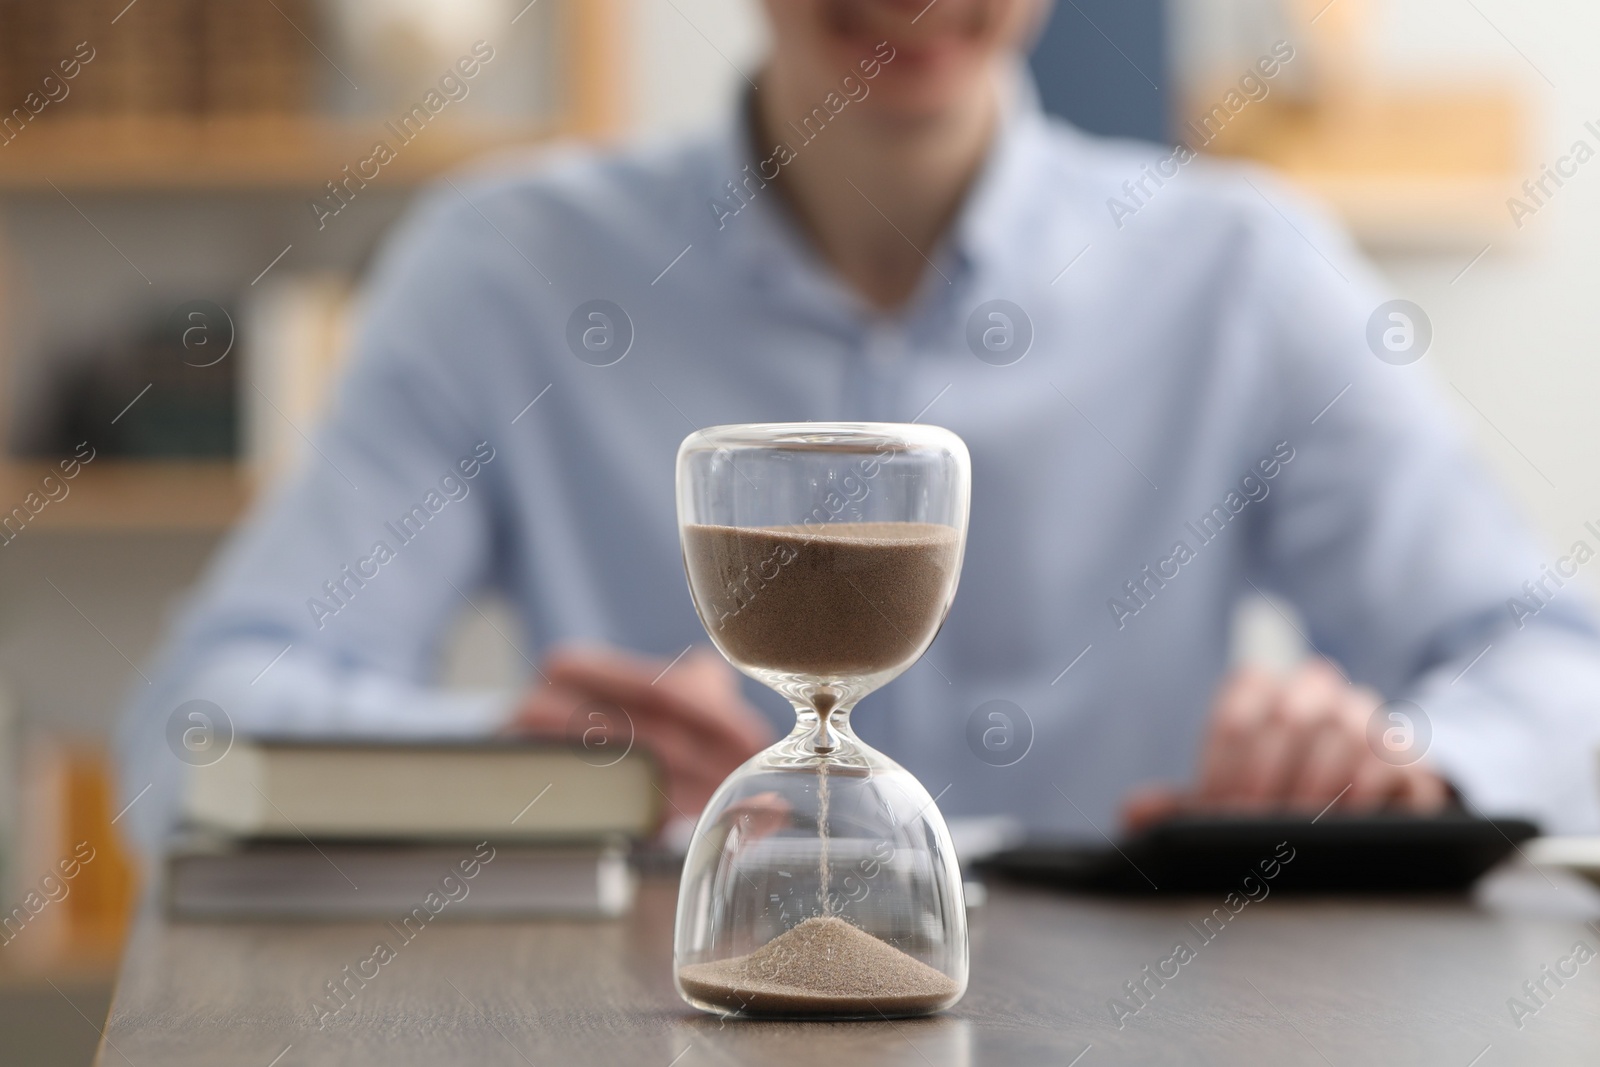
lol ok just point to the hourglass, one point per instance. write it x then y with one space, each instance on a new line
821 881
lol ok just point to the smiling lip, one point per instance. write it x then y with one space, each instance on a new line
919 31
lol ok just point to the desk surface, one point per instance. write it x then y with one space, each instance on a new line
1319 982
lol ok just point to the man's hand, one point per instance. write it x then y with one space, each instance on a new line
1291 745
692 718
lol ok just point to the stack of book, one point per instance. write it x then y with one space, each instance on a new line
211 57
291 829
257 57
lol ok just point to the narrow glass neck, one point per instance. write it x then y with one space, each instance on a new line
821 735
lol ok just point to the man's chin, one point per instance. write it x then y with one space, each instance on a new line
927 96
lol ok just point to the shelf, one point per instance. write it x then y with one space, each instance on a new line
1405 169
132 495
297 154
150 153
249 153
1395 212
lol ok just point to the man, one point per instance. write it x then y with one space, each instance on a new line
1178 407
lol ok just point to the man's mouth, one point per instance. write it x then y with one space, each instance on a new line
916 28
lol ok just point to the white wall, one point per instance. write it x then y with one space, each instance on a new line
1517 333
688 58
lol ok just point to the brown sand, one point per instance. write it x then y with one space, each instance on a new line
832 600
824 966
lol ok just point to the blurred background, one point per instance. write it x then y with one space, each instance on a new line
175 188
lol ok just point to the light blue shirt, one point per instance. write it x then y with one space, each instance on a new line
1198 414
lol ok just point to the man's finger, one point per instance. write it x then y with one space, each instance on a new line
1376 785
629 683
681 758
1149 805
1328 767
1308 702
548 712
1425 792
1240 708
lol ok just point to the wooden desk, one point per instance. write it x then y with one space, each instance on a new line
1322 983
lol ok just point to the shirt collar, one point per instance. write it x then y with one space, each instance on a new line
995 213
